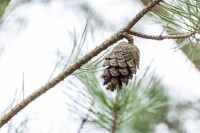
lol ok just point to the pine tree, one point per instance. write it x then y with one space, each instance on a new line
137 102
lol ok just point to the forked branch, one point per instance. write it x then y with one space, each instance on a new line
113 39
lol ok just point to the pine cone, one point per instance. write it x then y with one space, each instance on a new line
121 64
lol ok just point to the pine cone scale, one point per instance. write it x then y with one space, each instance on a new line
114 72
131 63
122 63
124 71
113 62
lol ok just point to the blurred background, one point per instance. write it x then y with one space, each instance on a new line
39 38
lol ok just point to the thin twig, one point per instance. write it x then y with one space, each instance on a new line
84 120
50 84
82 124
161 37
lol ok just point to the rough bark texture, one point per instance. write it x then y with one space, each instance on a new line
159 38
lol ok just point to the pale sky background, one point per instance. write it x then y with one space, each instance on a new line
32 49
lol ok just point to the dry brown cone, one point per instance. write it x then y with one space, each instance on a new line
121 64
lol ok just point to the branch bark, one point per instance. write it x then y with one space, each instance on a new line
113 39
161 37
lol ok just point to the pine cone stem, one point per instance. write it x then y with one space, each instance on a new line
129 37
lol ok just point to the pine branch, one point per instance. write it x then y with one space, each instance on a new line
162 37
113 39
115 113
114 122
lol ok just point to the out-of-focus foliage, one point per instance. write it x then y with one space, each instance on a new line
183 16
3 5
180 16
